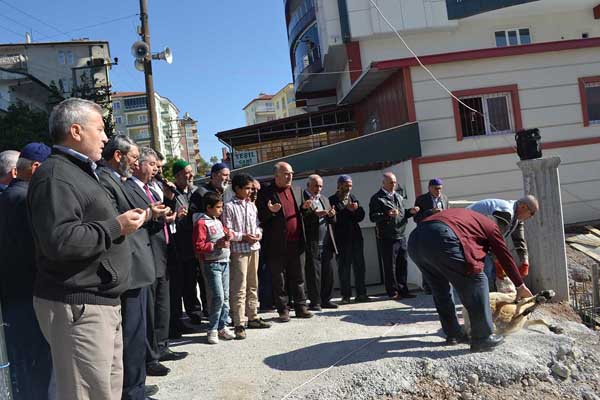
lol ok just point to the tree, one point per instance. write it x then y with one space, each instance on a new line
203 167
21 125
214 159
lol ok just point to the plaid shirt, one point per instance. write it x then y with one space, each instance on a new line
241 217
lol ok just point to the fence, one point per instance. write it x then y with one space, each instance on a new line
585 299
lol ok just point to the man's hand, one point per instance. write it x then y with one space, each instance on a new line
435 210
307 204
414 210
182 212
274 208
321 213
159 210
393 212
352 206
170 217
331 213
130 221
168 190
523 292
524 269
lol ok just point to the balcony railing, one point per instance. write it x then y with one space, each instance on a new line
303 17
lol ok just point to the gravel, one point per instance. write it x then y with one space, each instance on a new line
385 350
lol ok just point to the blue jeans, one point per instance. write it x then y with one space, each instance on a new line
438 253
216 275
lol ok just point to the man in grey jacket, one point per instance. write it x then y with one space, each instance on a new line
82 257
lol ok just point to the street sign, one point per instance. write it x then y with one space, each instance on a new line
244 158
458 9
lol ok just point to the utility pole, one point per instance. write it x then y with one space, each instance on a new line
154 139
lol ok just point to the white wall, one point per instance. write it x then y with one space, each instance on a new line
365 185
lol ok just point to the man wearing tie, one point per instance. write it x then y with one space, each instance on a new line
158 298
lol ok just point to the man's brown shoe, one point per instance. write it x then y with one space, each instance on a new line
284 316
240 333
302 312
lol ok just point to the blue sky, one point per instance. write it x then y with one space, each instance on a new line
225 52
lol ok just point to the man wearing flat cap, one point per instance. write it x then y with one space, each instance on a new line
430 203
219 179
349 239
28 352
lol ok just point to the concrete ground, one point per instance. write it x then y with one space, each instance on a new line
384 350
270 363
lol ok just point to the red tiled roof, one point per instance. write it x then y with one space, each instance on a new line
127 94
261 96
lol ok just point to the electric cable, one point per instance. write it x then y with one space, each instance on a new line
33 17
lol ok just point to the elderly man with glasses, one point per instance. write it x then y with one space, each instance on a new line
509 215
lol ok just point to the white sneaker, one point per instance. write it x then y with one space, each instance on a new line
226 334
213 337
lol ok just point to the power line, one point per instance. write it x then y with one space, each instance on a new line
93 26
19 23
33 17
11 31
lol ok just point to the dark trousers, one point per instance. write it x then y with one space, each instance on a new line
133 311
158 316
319 274
436 250
183 277
351 258
265 286
395 265
27 350
287 264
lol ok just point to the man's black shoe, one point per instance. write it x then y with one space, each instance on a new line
156 369
150 390
486 344
195 319
329 305
170 355
315 307
453 341
363 298
345 300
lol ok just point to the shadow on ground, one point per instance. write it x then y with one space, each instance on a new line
324 355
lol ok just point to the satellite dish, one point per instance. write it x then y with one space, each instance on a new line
139 65
166 55
140 49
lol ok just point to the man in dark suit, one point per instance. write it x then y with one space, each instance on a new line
318 215
386 209
349 239
27 350
431 202
158 297
284 241
120 157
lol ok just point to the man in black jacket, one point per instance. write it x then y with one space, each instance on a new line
28 352
284 241
431 202
82 256
318 215
388 213
121 156
158 312
349 239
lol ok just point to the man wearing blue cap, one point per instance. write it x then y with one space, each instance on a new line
349 239
431 202
28 352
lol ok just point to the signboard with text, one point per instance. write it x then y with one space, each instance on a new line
244 158
465 8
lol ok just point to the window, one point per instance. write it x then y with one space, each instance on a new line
117 105
61 57
142 118
70 58
118 120
512 37
589 89
135 102
64 86
498 113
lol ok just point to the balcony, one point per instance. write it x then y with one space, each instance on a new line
302 17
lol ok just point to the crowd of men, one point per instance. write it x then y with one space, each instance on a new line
101 251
